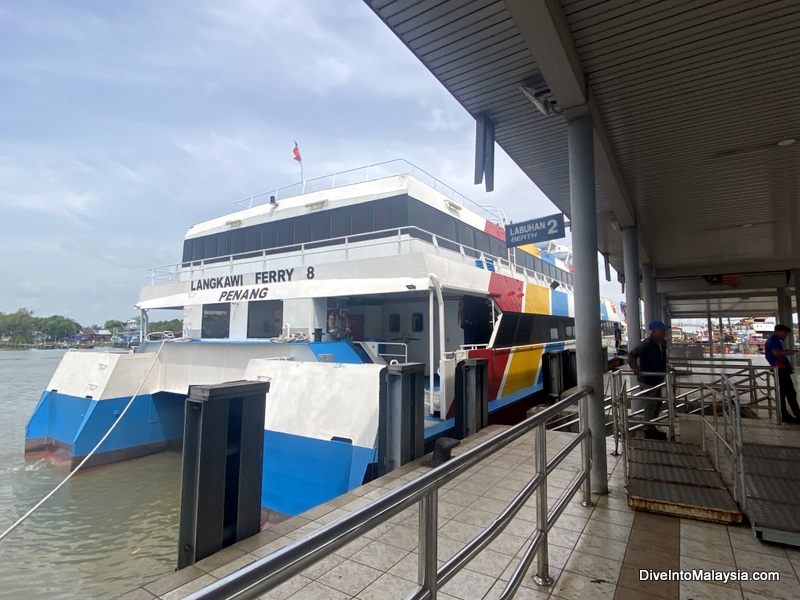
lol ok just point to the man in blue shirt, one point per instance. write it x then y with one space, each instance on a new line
651 356
776 356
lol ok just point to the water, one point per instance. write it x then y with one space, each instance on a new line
109 530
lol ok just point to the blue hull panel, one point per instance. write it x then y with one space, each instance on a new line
80 423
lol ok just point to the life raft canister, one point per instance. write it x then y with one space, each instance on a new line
338 325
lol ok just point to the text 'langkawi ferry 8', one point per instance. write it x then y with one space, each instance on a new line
318 291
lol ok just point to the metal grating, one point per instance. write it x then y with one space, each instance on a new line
683 501
773 452
664 446
771 467
710 479
773 515
687 461
774 489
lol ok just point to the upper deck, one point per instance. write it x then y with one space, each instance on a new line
362 231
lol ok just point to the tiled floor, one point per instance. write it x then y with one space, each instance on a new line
595 553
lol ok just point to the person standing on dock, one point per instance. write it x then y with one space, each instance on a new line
777 358
651 357
617 336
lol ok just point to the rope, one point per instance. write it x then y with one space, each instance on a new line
291 337
24 517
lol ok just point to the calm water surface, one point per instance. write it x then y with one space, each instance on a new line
109 530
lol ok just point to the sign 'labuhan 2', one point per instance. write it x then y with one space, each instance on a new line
536 230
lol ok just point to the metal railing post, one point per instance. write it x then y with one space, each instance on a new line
542 559
615 410
670 382
778 404
624 413
428 542
586 449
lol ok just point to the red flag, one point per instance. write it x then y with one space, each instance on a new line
296 152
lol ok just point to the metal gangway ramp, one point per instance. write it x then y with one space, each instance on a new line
717 476
772 486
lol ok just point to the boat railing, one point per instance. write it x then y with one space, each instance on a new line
267 573
373 172
391 238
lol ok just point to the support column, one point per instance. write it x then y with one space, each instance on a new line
651 312
710 336
721 338
588 339
630 249
785 315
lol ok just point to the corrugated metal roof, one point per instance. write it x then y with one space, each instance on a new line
692 96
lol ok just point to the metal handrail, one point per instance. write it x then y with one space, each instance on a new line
269 572
374 172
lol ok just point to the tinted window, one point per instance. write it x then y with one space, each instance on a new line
302 229
394 323
466 235
382 216
421 215
267 231
237 241
340 222
252 238
445 226
482 242
223 244
416 322
210 248
321 225
198 248
264 318
399 211
187 250
216 320
361 218
284 234
498 248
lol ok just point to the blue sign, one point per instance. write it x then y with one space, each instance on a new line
537 230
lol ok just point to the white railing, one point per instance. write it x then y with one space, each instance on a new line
389 168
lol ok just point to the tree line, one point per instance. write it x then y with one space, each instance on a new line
19 327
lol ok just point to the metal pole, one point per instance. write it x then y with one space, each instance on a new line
432 345
630 245
721 339
428 540
710 337
670 382
543 563
650 299
615 410
586 450
588 339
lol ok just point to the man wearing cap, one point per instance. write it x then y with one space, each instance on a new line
651 356
776 356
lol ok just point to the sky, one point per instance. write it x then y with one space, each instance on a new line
123 123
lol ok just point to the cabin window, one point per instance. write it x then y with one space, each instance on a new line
237 241
497 247
252 239
466 235
264 318
284 234
400 211
302 229
382 217
553 333
570 331
361 219
416 322
320 225
482 242
267 234
340 222
216 320
210 249
223 244
423 216
394 323
446 226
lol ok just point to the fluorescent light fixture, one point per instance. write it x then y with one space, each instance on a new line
234 223
454 205
786 142
538 99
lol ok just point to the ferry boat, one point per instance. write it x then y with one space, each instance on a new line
318 291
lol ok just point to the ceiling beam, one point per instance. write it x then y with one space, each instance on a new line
545 32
